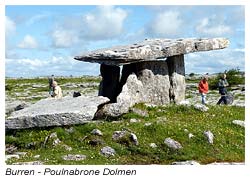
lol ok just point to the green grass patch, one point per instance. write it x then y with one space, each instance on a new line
170 121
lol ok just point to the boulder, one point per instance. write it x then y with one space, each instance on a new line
210 137
172 144
108 151
56 112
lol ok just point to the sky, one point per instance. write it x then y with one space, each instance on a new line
43 40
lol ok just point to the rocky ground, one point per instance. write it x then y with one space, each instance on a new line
24 98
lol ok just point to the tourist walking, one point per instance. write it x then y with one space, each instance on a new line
57 90
222 89
203 88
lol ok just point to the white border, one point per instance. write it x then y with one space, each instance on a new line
151 171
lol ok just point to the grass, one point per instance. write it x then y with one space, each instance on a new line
170 121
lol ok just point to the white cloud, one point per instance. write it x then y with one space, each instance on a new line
28 42
106 23
212 26
214 61
64 38
37 18
166 24
10 26
57 65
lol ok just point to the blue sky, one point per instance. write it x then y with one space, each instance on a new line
42 40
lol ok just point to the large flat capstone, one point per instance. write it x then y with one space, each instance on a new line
56 112
152 49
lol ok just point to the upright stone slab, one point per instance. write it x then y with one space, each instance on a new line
177 78
109 85
155 79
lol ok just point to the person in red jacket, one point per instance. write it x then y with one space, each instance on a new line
203 88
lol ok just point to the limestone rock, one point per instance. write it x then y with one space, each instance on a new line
96 132
152 49
74 157
153 145
56 112
15 106
201 107
172 144
10 156
108 151
210 137
186 163
29 163
239 122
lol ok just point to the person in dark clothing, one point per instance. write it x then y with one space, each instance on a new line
51 88
222 89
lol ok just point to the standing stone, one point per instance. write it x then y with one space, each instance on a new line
177 78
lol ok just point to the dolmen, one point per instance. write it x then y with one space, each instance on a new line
152 71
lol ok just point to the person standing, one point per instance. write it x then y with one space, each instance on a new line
51 89
57 90
203 88
222 89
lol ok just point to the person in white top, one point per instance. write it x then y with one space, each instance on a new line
57 90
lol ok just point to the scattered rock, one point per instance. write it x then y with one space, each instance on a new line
29 163
184 103
134 139
10 149
66 147
227 163
190 135
96 142
108 151
69 130
186 163
210 137
74 157
153 145
201 107
239 122
140 112
147 124
117 135
134 120
76 94
172 144
37 156
10 156
15 106
96 132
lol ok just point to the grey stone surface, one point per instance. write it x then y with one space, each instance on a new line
186 163
172 144
210 137
10 156
239 122
56 112
29 163
134 139
11 106
108 151
97 132
201 107
74 157
152 49
153 145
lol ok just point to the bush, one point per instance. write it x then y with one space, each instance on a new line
234 77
